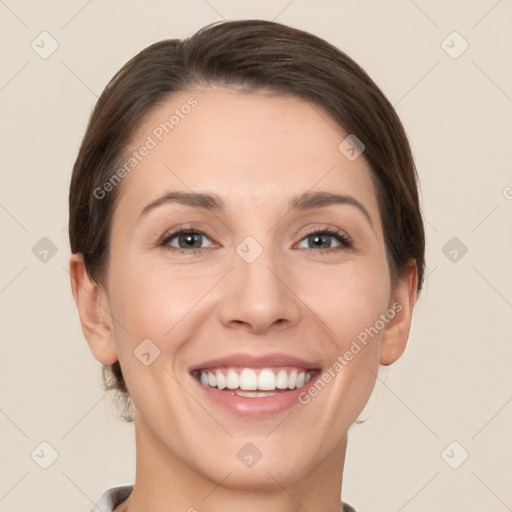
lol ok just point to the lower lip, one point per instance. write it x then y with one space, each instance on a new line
257 407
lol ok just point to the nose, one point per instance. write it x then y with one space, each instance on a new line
258 295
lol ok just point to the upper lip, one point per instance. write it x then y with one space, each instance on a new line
253 361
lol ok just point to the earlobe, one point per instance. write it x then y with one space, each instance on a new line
93 308
396 334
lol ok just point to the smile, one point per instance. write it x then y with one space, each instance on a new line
252 382
254 386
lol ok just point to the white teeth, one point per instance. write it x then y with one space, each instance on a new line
266 380
248 380
255 394
221 379
292 379
232 380
282 380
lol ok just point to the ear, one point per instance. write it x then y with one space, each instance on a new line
396 334
92 302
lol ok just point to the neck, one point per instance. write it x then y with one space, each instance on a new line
164 481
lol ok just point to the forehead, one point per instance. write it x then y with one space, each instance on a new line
252 149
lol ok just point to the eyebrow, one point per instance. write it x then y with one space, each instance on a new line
212 202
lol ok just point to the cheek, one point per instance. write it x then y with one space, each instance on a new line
349 299
150 301
156 300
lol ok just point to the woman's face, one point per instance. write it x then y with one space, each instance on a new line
250 281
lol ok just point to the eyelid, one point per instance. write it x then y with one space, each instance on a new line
178 229
328 229
344 240
171 234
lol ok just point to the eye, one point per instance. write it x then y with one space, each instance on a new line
188 240
324 236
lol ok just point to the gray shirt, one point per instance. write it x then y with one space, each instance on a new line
116 495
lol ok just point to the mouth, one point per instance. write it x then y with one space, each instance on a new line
255 386
254 382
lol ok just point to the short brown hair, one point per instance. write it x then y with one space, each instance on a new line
254 55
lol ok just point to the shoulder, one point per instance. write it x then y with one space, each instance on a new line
112 498
348 508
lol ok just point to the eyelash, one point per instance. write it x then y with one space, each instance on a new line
345 241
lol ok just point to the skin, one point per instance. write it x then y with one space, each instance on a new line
195 307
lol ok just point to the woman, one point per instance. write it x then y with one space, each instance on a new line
247 248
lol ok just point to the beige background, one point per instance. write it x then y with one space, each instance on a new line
454 382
